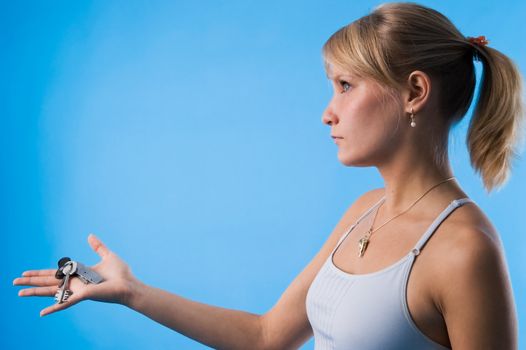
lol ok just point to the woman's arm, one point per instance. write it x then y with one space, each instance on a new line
217 327
475 294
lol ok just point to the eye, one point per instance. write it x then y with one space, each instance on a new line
345 85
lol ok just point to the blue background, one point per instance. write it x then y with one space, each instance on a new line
188 137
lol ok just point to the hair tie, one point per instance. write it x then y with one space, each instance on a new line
479 40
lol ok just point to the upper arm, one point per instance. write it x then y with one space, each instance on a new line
476 296
285 325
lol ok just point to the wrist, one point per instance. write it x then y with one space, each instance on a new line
136 291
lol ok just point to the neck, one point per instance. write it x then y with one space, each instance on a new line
406 180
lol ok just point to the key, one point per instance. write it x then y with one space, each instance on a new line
86 274
69 268
63 293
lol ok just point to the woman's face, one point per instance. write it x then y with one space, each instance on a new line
365 119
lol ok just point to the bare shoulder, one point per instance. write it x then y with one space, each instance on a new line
470 223
466 236
468 246
473 289
366 201
372 196
361 205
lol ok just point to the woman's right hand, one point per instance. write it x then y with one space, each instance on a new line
116 287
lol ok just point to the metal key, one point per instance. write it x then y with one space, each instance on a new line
86 274
68 268
63 293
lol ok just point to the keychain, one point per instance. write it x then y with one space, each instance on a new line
68 268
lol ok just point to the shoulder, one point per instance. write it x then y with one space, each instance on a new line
474 290
467 242
351 214
471 282
369 198
471 248
363 203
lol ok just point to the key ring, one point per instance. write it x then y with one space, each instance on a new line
68 268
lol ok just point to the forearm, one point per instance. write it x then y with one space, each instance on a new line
217 327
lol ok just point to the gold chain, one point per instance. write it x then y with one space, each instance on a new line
364 241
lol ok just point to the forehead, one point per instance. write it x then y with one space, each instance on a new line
333 72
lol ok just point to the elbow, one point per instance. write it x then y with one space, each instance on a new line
263 342
276 339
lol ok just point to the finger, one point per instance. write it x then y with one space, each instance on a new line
35 281
38 292
72 300
97 245
39 272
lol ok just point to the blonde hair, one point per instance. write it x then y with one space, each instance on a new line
398 38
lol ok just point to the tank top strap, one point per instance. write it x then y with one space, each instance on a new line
360 219
441 217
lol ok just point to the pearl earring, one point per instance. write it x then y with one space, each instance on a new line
413 124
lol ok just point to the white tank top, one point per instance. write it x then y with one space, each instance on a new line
368 311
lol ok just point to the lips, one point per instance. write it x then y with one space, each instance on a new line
336 139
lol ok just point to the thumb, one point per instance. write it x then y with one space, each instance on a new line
97 245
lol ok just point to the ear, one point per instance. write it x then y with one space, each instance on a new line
418 91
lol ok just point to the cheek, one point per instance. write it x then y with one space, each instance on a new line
370 121
370 130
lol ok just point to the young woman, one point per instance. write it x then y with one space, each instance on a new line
413 265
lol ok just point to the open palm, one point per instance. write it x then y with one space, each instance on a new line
115 288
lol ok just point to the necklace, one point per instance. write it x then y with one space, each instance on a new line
364 241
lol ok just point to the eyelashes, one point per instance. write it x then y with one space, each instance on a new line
343 84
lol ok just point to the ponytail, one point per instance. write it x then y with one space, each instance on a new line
496 134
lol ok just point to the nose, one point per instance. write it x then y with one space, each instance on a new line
328 117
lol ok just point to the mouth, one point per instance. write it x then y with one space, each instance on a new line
336 139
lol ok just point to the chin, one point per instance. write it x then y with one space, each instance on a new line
354 161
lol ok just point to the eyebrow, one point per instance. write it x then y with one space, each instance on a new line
339 78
